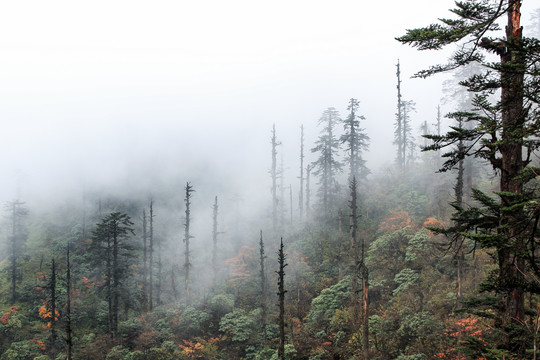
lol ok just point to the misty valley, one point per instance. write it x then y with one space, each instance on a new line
274 239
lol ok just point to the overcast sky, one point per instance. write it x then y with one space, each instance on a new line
108 92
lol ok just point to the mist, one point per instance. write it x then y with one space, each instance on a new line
112 106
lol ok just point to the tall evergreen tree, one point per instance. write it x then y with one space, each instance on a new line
262 274
69 328
111 243
151 257
356 142
215 239
409 145
327 166
16 213
281 300
145 263
187 237
301 189
507 133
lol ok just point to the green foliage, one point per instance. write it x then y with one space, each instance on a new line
22 350
404 279
324 306
239 325
192 321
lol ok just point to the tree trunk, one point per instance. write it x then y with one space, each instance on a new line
511 261
281 304
69 332
151 259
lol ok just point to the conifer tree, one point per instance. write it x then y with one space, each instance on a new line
111 244
52 306
215 239
398 131
507 133
151 257
281 298
145 264
301 189
356 141
16 212
327 166
187 237
262 274
274 175
69 329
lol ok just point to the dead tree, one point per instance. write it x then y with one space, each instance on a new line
187 236
263 289
301 193
214 239
69 331
281 296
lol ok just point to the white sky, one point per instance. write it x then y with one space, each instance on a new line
106 91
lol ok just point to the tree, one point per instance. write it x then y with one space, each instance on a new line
327 166
274 175
408 145
301 192
281 296
187 237
262 273
356 141
359 267
69 329
145 263
398 132
215 238
151 258
17 212
111 242
507 134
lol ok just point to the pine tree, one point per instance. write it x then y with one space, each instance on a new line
281 298
52 306
398 131
262 274
69 329
327 166
145 264
301 190
111 244
187 237
356 142
507 133
215 239
16 212
151 258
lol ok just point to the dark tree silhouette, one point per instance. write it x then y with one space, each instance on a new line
262 274
187 237
281 298
111 244
356 141
507 133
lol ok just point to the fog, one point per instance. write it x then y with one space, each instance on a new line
134 94
133 97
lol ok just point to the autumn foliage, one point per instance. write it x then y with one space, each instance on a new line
398 219
5 318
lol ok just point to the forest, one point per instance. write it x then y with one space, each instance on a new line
433 256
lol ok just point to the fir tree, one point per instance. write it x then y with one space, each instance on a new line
356 142
327 166
507 134
187 237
